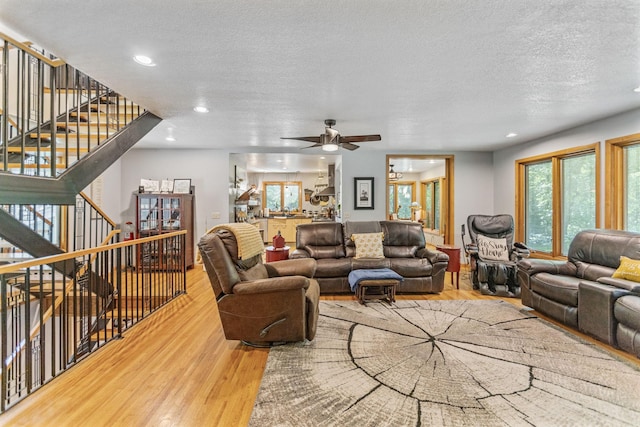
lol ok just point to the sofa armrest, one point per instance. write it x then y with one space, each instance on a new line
276 284
595 309
521 253
533 266
292 267
629 285
299 253
433 256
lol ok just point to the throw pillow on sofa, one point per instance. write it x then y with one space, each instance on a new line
368 245
629 269
490 249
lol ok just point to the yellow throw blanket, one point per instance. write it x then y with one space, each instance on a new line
247 236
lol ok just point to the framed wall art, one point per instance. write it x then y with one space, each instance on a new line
363 193
181 186
150 185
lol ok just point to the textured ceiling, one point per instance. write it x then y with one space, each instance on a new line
426 75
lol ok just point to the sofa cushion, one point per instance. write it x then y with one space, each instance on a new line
321 239
333 267
256 272
490 249
402 239
411 267
368 245
629 269
604 247
593 271
354 227
360 263
562 289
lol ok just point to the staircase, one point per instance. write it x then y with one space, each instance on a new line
59 130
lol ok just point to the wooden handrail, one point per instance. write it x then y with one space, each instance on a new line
97 208
52 62
11 121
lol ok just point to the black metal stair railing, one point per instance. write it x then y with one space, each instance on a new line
52 115
49 320
43 230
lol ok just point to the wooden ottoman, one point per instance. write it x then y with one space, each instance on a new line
386 289
374 284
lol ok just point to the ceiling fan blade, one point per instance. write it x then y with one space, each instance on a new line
315 139
348 146
360 138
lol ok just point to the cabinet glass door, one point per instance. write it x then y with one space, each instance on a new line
148 213
171 213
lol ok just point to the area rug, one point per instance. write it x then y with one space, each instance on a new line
433 363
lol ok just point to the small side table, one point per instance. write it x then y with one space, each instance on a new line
386 287
277 254
454 261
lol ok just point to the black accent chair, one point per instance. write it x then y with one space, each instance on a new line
493 254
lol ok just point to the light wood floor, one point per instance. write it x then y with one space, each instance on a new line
173 369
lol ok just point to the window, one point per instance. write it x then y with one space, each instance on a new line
557 197
401 194
431 203
623 183
280 196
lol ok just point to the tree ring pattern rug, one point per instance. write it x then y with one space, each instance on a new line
443 363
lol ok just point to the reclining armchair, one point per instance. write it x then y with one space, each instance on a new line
259 304
493 255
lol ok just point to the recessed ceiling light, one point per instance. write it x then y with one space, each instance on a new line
201 109
511 135
144 60
637 89
170 139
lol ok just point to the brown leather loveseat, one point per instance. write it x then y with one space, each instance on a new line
331 245
581 292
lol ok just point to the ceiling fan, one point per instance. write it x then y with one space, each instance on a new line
331 139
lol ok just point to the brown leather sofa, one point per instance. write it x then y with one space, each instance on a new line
260 304
330 244
580 291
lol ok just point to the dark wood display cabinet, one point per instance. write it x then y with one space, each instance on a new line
160 214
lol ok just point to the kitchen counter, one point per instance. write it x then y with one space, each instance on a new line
286 225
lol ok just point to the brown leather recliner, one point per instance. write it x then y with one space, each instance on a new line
260 304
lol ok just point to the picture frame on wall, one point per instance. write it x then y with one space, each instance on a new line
363 193
181 186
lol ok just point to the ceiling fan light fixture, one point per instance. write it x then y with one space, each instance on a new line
331 146
393 175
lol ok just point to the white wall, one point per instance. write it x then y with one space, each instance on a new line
474 188
105 191
598 131
207 169
363 165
